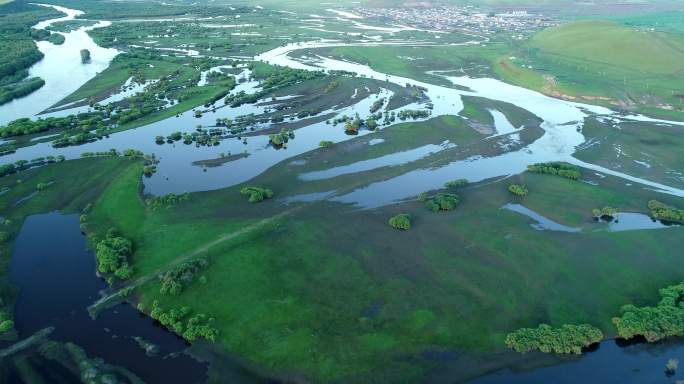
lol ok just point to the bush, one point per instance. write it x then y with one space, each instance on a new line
256 194
279 139
566 339
197 326
605 212
401 221
654 323
456 183
556 168
167 201
665 212
442 202
518 190
172 281
6 324
149 170
112 255
325 144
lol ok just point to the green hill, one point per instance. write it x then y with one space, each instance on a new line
608 43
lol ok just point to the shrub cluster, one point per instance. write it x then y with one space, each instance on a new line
568 338
401 221
458 183
189 327
654 323
557 168
413 114
518 190
665 212
256 194
606 212
280 138
442 202
172 281
112 255
6 323
167 201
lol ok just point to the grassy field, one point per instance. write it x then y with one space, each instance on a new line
613 45
602 63
331 293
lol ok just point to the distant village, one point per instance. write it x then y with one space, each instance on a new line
462 19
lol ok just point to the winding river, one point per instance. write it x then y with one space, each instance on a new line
35 252
562 124
61 67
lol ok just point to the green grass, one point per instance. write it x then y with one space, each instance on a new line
294 296
609 44
600 62
669 21
332 293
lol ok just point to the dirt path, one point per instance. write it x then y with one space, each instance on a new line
115 292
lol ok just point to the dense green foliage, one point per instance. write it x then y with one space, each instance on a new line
325 144
281 138
654 323
557 168
167 201
112 255
518 190
665 212
256 194
442 202
21 165
181 322
401 221
568 338
605 212
172 281
6 323
20 89
413 114
26 126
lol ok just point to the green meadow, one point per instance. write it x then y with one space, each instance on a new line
328 292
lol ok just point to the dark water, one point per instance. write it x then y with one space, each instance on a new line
611 362
55 275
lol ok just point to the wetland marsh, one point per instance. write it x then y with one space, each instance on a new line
207 199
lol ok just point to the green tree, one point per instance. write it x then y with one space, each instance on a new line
256 194
568 338
518 190
401 221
